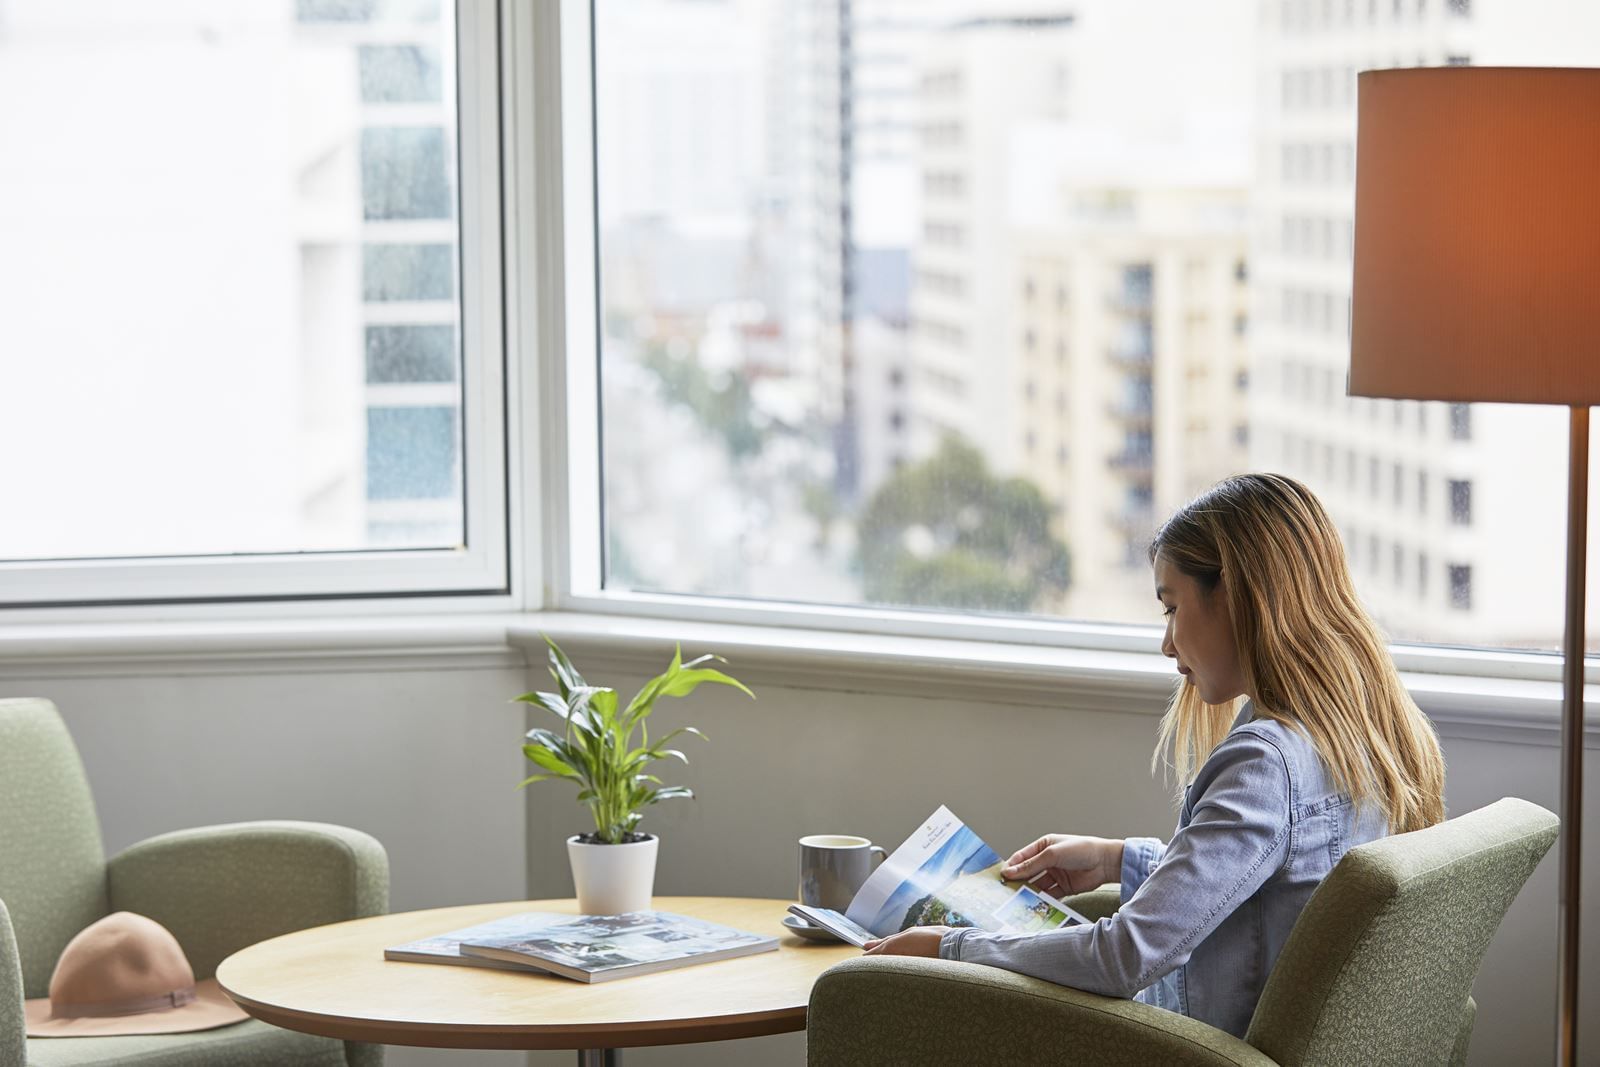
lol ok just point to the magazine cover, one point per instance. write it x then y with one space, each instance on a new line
598 948
945 875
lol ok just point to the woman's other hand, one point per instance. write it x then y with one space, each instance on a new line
917 941
1062 864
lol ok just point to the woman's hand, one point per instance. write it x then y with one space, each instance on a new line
917 941
1062 864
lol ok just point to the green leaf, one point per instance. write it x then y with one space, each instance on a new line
686 682
683 730
558 706
549 761
545 739
603 703
562 670
538 778
663 753
639 706
673 791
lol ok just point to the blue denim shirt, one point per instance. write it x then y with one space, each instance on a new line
1204 917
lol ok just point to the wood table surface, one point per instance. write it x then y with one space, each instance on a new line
334 981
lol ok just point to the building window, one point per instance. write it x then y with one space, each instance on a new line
1461 422
1422 576
400 74
1460 502
408 354
1460 587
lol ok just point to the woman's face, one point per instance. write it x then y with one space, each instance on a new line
1199 634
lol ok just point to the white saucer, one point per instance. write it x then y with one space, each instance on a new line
809 931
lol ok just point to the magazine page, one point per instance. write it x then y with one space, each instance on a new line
945 875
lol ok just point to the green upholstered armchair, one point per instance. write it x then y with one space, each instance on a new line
217 888
1377 971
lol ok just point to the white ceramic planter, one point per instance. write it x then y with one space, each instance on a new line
612 879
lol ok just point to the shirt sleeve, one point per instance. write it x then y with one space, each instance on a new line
1139 858
1236 838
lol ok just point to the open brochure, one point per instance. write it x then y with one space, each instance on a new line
944 875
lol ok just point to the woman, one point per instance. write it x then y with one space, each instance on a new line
1306 745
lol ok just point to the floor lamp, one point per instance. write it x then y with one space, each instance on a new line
1477 278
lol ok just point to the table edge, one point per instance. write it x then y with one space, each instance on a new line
533 1037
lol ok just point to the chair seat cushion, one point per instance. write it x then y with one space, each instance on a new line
251 1043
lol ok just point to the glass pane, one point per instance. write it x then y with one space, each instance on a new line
924 303
228 258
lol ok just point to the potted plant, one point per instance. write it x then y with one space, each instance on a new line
613 865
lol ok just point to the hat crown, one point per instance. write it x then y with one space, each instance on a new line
122 960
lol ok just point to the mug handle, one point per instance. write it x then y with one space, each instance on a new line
878 851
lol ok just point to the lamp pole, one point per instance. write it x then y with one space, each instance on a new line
1568 947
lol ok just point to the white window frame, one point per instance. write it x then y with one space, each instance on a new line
563 126
481 572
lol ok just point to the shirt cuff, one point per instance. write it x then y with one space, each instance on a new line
1139 857
950 943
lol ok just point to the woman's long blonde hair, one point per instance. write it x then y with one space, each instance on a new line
1307 649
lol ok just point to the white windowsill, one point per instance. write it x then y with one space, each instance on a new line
1087 680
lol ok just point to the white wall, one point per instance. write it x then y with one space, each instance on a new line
422 751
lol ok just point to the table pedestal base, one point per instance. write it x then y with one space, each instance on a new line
599 1057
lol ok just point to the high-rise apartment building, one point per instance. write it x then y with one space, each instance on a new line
1130 312
1431 499
978 80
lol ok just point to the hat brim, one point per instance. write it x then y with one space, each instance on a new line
210 1009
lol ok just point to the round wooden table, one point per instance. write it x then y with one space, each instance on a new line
334 981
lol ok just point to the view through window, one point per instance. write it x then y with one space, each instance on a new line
943 304
228 268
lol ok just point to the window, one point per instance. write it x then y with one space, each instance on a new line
731 248
255 381
1461 422
1460 502
1460 587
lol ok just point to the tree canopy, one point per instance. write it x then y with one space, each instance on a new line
947 532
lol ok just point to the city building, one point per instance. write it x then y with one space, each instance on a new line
1426 495
1130 347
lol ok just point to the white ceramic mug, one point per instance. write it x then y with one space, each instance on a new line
833 867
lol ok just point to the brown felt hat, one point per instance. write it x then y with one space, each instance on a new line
126 975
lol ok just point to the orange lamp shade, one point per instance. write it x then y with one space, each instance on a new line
1477 235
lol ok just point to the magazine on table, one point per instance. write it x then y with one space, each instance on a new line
601 948
944 875
446 948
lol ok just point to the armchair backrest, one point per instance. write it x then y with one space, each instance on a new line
1381 962
52 862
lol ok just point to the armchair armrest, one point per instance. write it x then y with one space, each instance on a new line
910 1010
220 888
13 1028
1096 904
